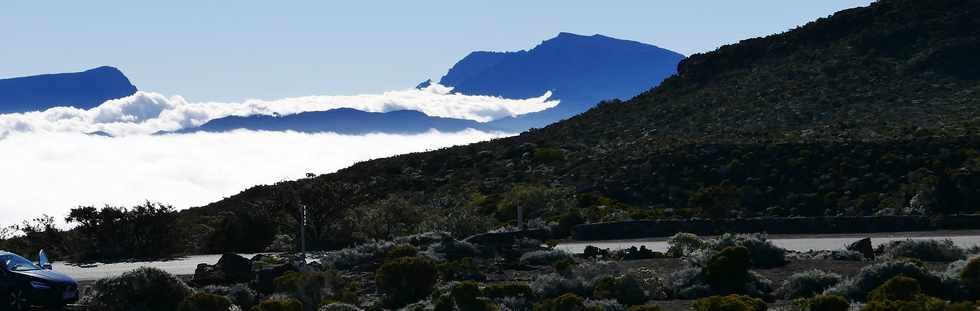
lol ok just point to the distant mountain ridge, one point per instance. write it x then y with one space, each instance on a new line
84 90
343 121
580 70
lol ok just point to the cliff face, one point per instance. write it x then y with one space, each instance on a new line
83 90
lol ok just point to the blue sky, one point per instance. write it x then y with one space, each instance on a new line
232 50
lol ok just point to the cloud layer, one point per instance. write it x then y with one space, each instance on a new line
147 113
53 172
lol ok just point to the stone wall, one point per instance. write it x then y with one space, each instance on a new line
788 225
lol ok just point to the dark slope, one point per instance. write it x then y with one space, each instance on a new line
83 90
579 70
343 121
873 110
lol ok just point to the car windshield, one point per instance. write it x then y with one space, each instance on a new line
17 263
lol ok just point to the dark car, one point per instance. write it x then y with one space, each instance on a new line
24 284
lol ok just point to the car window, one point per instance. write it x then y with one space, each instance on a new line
17 263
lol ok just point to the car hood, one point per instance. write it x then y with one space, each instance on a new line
47 275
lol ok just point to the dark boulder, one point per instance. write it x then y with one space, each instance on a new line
864 247
237 269
206 274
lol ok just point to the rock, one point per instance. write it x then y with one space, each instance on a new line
506 239
864 247
206 274
237 269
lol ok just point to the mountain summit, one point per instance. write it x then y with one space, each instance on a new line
83 90
580 70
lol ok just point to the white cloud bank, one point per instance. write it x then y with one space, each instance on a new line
54 172
147 113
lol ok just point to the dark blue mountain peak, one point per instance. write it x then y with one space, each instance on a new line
84 90
580 70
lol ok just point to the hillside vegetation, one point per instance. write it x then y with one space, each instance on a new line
873 110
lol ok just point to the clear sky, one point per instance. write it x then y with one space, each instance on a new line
232 50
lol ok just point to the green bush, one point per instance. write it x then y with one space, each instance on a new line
729 303
466 295
923 303
871 277
807 283
645 308
401 250
898 288
145 288
505 290
625 289
728 270
544 257
406 280
566 302
828 303
971 274
338 306
205 302
461 270
278 303
443 303
309 287
564 265
928 250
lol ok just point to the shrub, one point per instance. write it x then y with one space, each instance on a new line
643 252
728 271
808 283
338 306
566 302
239 294
625 289
689 284
763 253
837 254
401 250
279 303
729 303
603 305
927 250
461 270
554 285
544 257
450 249
406 280
645 308
309 287
564 265
145 288
466 295
859 286
501 290
897 288
205 302
684 244
923 303
580 279
828 303
592 252
971 274
567 223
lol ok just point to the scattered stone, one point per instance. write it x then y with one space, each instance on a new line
864 247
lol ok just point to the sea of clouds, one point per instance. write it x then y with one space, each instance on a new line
146 112
49 164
